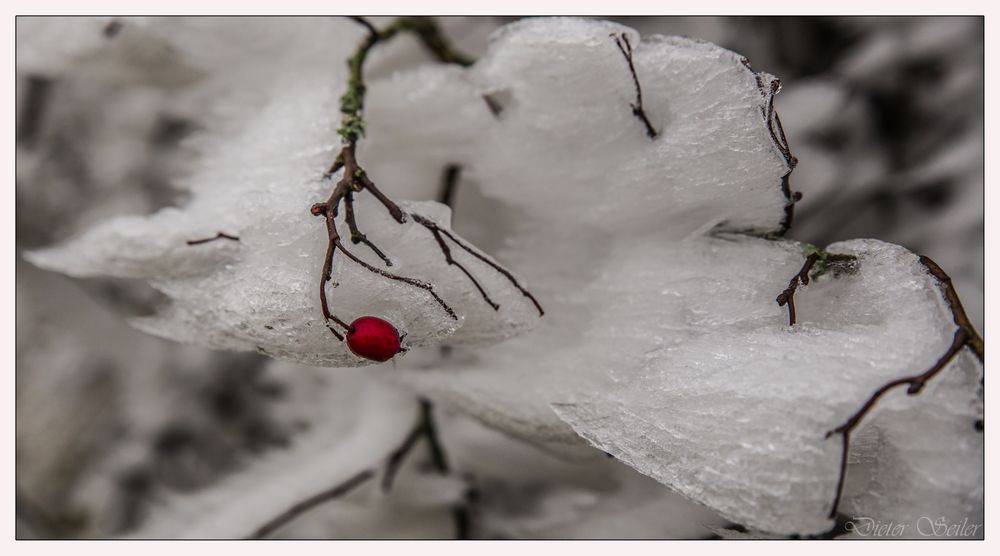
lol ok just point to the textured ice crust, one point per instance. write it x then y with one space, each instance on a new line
661 345
730 406
260 172
667 349
257 179
677 360
567 145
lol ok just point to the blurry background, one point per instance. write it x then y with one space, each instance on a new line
885 116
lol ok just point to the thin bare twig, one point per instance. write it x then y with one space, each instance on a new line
637 110
397 456
436 232
216 237
304 506
777 132
955 304
503 271
965 336
356 235
429 288
440 233
787 297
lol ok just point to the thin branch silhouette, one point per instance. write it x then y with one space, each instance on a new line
965 336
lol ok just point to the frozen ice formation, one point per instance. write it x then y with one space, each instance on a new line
256 181
662 343
686 369
731 406
566 146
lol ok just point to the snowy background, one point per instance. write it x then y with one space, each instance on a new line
885 116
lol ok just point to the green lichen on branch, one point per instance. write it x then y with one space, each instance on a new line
826 261
352 102
818 262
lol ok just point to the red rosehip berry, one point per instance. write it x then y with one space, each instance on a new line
373 338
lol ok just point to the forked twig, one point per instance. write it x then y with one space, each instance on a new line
965 336
356 235
436 232
355 180
440 233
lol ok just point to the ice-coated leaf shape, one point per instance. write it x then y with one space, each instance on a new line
664 347
677 360
257 179
568 143
731 406
661 345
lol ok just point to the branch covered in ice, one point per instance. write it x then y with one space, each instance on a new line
257 181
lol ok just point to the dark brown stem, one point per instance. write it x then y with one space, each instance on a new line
451 261
787 297
914 385
965 336
217 236
397 214
355 179
496 267
815 264
304 506
356 235
955 304
637 110
774 127
438 232
429 288
333 236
